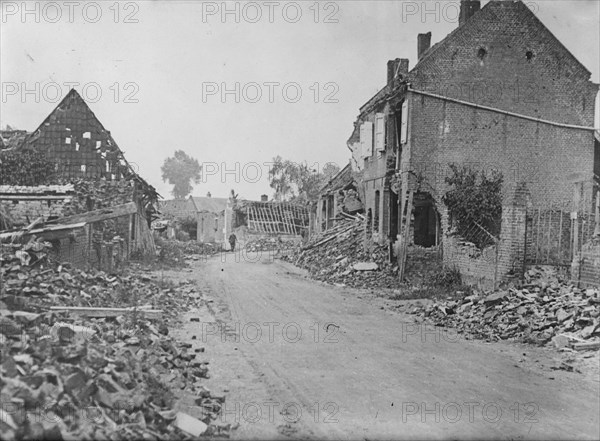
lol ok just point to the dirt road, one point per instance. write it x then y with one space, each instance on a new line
305 360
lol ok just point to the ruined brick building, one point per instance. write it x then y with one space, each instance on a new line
71 171
500 92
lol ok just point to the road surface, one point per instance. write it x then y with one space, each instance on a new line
300 359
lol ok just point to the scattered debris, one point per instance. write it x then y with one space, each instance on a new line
543 310
115 375
337 256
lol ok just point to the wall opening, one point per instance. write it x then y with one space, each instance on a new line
426 221
376 210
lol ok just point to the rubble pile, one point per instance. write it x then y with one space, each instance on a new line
337 256
119 376
270 244
543 310
174 253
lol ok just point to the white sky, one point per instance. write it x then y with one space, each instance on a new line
163 60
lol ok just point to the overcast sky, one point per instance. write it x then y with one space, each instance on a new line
160 67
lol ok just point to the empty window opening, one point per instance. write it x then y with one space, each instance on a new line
83 167
76 146
68 140
376 211
426 221
87 135
529 55
481 53
330 211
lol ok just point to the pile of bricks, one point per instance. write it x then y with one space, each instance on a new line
541 311
67 376
338 257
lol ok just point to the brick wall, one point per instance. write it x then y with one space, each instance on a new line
589 272
545 157
177 208
26 204
551 85
74 138
496 263
477 267
374 174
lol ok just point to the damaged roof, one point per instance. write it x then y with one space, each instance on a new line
212 205
340 180
73 136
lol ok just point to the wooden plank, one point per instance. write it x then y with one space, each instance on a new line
537 240
587 346
597 215
269 218
107 312
98 215
284 225
560 233
20 197
409 207
52 230
549 236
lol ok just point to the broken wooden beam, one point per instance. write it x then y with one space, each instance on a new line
48 233
107 312
587 346
98 215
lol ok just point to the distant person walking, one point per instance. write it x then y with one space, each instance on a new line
232 240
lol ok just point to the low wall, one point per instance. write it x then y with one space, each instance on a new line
589 269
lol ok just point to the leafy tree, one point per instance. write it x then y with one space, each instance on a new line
293 181
475 204
181 170
281 177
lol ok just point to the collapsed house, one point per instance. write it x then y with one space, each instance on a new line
339 195
499 93
255 220
68 182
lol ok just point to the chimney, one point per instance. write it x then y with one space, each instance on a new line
398 66
423 43
264 198
467 9
208 195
